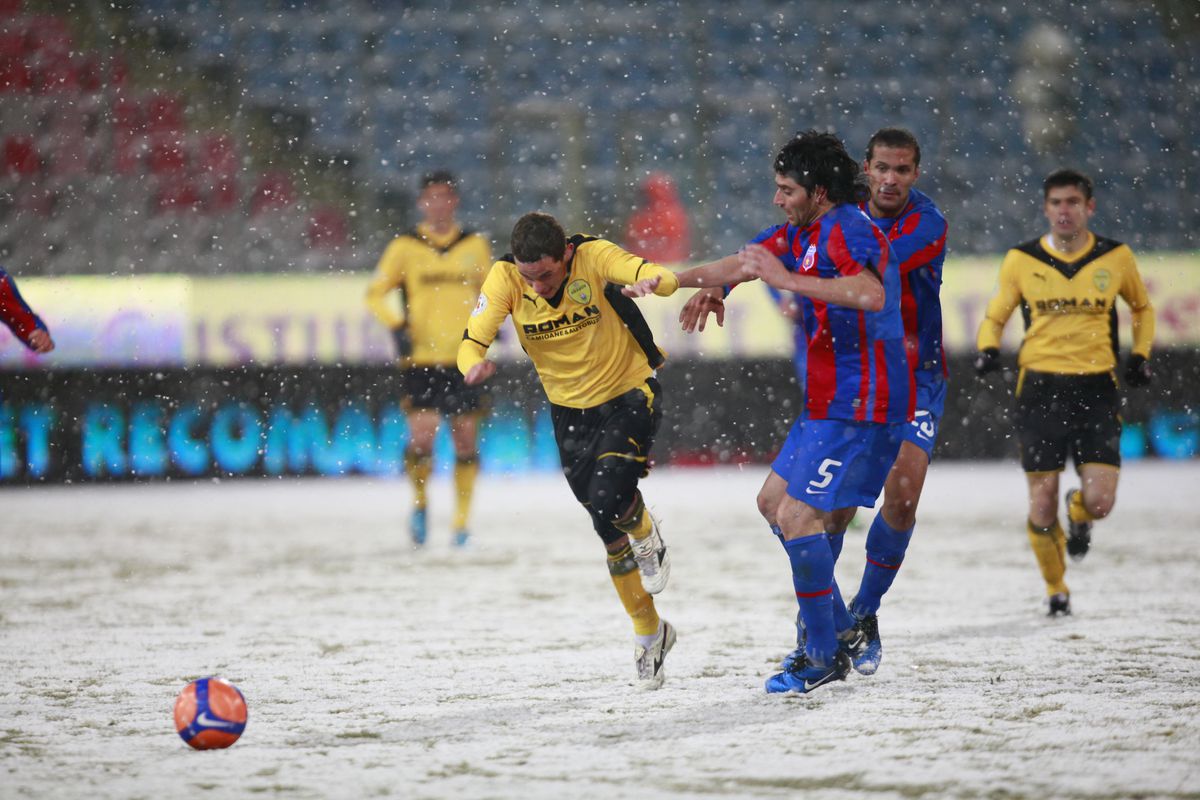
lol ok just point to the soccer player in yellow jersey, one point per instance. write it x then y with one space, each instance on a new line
596 359
438 268
1067 283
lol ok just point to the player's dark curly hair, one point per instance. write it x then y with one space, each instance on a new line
1067 177
439 176
536 235
815 159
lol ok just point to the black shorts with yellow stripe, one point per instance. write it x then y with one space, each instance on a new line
1061 415
442 389
605 449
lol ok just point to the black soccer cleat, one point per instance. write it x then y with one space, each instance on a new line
1079 534
1060 605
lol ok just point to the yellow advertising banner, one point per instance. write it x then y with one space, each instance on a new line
176 320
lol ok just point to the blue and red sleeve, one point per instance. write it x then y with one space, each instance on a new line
15 312
918 239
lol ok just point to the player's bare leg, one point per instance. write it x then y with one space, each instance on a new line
1047 539
1092 501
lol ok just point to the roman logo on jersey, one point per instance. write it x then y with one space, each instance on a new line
563 325
1071 305
580 291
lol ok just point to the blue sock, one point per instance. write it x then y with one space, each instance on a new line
775 529
885 553
842 620
812 576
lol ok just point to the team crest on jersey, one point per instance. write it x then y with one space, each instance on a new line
1101 279
580 291
480 305
810 258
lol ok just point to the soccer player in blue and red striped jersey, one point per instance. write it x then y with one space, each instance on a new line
916 232
858 394
19 317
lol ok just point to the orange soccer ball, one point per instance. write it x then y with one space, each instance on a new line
210 713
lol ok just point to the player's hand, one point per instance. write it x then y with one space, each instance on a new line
1137 371
695 311
480 373
642 288
987 360
40 341
758 262
403 340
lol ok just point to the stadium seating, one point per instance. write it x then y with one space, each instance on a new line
529 101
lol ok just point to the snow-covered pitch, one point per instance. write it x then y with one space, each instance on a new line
372 670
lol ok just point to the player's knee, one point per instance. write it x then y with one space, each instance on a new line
768 506
900 510
609 501
1099 506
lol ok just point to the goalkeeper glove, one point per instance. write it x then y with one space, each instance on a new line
403 341
987 360
1137 371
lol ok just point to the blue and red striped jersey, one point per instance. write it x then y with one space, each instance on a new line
15 312
917 237
857 368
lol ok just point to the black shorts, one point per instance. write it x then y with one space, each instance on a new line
440 388
1059 415
605 449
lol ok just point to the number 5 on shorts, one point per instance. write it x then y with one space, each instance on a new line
826 475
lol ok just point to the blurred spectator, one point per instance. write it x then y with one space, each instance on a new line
658 230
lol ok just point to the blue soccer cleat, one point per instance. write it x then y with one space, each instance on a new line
803 677
801 640
462 537
418 526
864 646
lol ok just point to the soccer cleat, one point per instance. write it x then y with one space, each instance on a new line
418 526
462 537
1079 534
1060 605
803 677
863 645
654 563
650 659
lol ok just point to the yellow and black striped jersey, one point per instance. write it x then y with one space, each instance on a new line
589 343
1069 305
439 278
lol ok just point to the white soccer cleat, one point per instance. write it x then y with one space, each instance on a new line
650 659
654 563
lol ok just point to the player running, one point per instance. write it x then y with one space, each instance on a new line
596 359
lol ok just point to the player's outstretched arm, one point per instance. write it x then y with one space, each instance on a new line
862 291
721 272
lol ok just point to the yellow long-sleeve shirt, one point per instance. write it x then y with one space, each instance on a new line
1069 305
590 343
439 277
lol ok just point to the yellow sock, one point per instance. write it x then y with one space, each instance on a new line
1077 511
1050 548
628 582
465 471
419 467
637 523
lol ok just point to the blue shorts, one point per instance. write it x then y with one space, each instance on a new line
927 419
831 463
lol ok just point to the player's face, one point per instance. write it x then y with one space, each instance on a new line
544 276
1068 211
892 171
438 202
798 204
